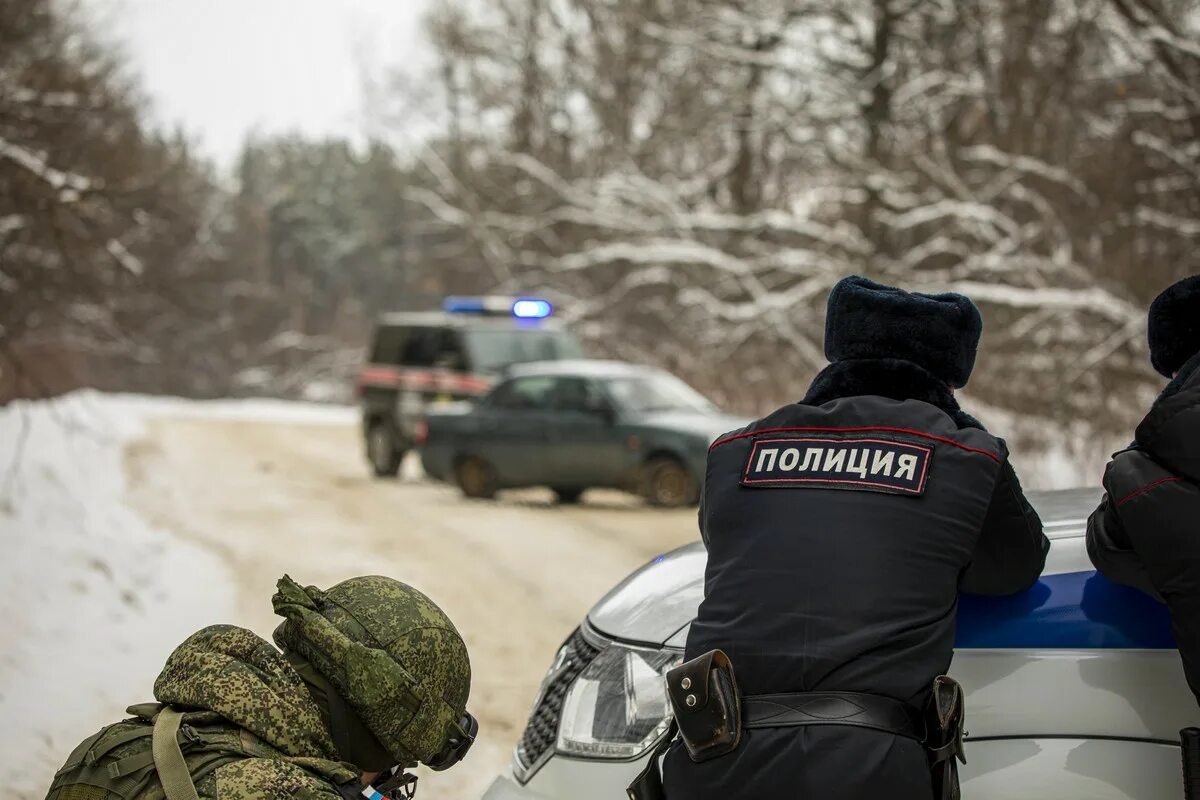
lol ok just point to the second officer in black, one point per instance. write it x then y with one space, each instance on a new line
840 531
1144 534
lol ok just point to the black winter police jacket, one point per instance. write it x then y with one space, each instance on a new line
1146 532
840 531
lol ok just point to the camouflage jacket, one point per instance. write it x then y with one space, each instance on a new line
251 732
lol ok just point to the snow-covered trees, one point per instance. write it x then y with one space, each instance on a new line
101 222
123 263
689 177
695 174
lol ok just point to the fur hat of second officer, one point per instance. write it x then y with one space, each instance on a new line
938 332
1173 327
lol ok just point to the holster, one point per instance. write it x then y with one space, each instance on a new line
944 737
708 716
704 696
1189 749
648 783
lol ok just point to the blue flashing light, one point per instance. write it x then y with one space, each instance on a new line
531 308
464 305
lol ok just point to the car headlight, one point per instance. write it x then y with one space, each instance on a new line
617 708
541 734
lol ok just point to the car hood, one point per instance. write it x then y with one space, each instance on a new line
656 603
708 426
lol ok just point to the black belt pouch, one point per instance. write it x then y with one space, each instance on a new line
944 744
704 696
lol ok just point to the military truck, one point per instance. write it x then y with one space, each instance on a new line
417 359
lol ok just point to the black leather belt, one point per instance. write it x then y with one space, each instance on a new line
833 708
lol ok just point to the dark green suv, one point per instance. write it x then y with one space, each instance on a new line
574 425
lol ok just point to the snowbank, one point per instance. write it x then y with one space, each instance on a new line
250 410
93 599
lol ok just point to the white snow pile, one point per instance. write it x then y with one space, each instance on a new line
245 410
92 598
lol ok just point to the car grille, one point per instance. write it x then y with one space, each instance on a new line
542 731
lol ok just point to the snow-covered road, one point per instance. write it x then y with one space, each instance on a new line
126 523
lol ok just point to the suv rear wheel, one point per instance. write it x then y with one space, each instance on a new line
668 484
383 452
476 478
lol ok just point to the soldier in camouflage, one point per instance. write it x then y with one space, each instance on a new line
373 679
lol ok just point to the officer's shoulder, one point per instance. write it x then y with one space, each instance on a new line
782 417
1133 460
1131 470
737 433
1172 415
861 412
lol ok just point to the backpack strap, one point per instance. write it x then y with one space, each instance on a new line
172 770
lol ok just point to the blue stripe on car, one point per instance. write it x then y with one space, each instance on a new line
1071 610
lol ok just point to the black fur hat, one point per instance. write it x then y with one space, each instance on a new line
1174 326
939 332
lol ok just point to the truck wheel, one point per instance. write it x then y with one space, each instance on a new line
382 452
568 497
667 483
476 478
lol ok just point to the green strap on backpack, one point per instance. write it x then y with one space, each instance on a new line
144 757
172 770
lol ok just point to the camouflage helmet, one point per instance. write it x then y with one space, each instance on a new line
394 656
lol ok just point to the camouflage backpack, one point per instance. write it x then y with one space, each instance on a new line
153 755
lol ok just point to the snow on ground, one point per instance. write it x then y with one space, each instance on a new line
248 410
89 589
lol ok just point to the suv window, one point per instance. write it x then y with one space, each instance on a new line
431 347
422 347
531 393
575 394
388 345
450 353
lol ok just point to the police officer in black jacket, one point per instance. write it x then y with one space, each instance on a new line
1146 532
840 531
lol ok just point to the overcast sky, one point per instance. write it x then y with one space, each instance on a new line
224 68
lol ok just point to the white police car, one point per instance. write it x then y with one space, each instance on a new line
1074 688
